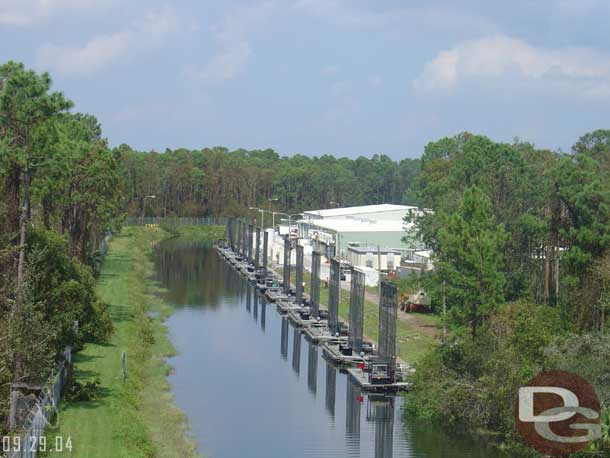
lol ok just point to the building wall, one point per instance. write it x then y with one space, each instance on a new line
383 239
371 260
395 215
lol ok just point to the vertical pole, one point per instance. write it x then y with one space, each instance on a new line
238 247
287 249
299 276
265 247
258 248
356 310
315 284
250 234
333 296
379 267
444 310
339 259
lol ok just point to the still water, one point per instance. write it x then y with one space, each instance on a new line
253 386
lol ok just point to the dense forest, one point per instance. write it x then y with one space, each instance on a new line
521 240
214 182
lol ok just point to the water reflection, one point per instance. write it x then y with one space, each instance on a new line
296 350
352 415
284 341
255 305
380 410
331 389
312 368
220 351
263 313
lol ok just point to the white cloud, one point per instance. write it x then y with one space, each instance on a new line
27 12
575 70
351 14
102 50
233 36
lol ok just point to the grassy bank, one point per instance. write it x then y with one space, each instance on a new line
136 418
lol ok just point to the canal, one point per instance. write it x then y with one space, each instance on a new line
252 386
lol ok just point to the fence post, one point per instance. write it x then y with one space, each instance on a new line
124 365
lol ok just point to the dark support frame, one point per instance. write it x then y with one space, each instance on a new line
287 256
334 284
314 298
257 253
356 310
299 275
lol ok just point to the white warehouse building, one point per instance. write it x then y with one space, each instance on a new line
374 257
371 212
334 230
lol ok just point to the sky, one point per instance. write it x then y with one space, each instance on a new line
345 77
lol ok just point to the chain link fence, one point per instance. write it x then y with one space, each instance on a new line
30 439
176 221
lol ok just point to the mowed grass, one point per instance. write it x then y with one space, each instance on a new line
136 418
412 343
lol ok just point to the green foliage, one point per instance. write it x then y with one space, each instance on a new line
81 191
473 382
220 182
66 288
469 259
586 355
542 233
78 392
26 108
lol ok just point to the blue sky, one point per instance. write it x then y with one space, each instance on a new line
348 77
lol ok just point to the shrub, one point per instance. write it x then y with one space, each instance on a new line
474 381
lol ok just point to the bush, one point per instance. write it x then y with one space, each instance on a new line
65 288
473 381
587 355
82 392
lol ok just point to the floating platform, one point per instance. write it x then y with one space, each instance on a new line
287 305
275 296
321 334
332 352
362 378
295 317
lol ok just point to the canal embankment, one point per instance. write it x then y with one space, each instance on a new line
135 417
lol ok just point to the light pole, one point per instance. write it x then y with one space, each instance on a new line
262 212
273 217
289 218
272 199
144 206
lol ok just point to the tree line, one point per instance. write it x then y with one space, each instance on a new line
521 246
217 182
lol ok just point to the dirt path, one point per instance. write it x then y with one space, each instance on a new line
412 319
